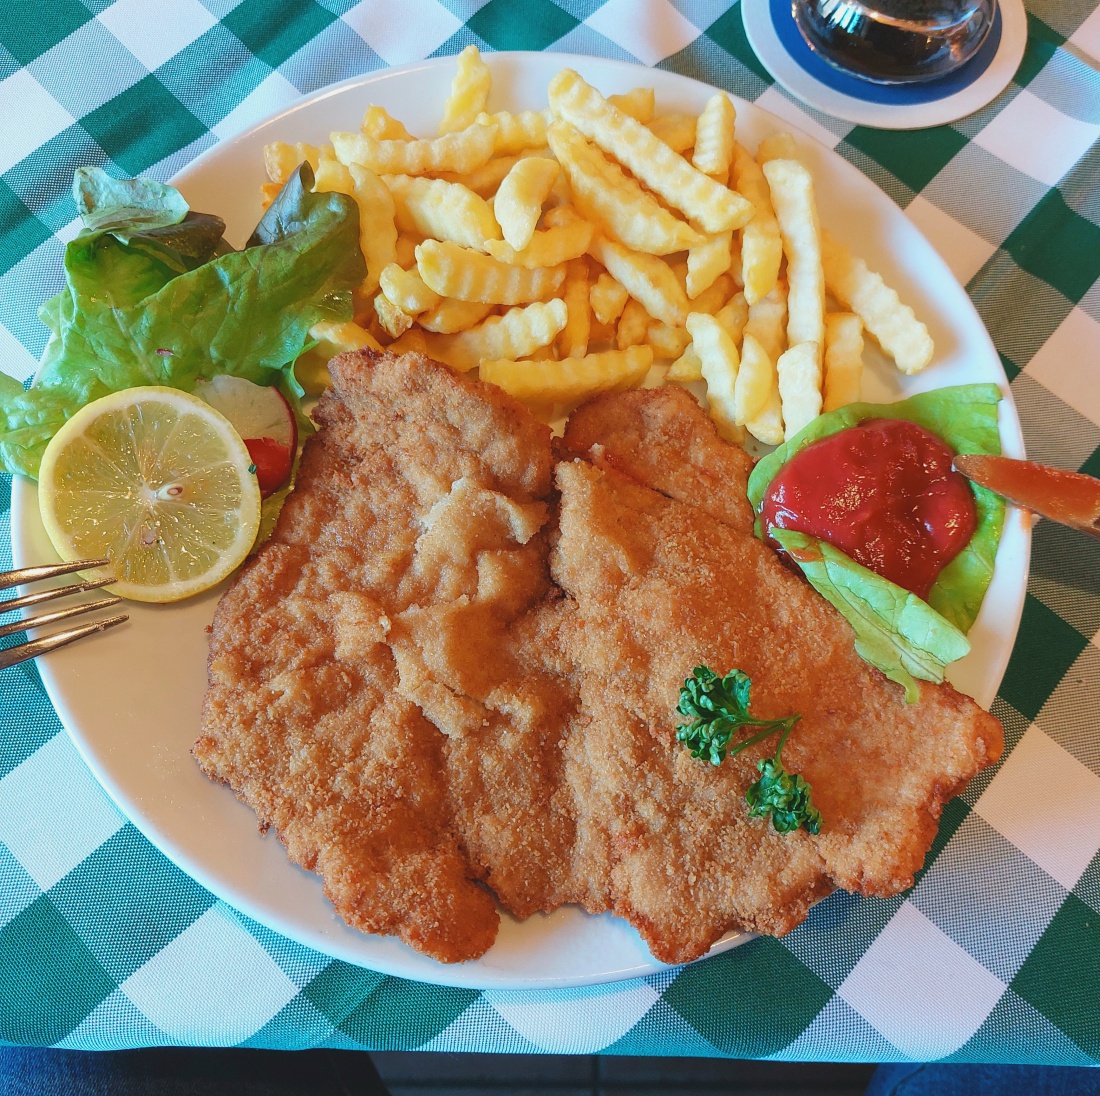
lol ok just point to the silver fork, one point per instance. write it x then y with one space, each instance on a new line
32 648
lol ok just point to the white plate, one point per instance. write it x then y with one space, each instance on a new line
131 698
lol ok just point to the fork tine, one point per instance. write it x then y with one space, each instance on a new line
58 614
48 595
20 577
12 656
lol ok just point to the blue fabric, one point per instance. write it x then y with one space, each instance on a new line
187 1071
911 1079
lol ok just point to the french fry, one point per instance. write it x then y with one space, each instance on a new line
767 322
548 247
572 379
311 368
516 132
461 152
407 243
755 380
709 205
573 339
518 204
369 317
686 369
715 296
485 180
520 331
720 364
607 298
605 195
393 319
667 342
449 316
414 341
378 123
766 325
445 211
633 325
799 372
467 275
777 146
735 262
281 160
406 289
761 244
469 92
561 215
675 130
843 360
645 277
792 192
330 176
377 230
337 338
892 323
707 261
714 138
639 103
733 316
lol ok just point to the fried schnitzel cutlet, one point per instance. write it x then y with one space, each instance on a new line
457 663
413 539
660 586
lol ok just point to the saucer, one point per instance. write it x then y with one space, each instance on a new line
777 41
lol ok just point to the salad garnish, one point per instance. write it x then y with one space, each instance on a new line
906 638
155 296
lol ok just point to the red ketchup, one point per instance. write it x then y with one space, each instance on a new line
884 493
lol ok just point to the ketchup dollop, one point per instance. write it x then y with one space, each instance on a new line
883 492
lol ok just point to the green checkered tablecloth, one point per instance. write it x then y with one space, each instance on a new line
993 956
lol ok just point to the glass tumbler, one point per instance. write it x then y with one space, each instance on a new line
895 41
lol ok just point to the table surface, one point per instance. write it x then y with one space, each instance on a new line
993 956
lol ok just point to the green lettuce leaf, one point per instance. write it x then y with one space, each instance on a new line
896 631
104 202
136 310
146 216
965 417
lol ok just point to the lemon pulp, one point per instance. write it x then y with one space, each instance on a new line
158 482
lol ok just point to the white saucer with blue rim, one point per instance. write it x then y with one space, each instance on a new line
777 41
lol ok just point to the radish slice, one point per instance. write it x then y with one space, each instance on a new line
263 418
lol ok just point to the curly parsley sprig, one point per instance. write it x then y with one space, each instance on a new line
718 708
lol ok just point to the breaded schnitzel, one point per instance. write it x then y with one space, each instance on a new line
456 662
412 540
661 586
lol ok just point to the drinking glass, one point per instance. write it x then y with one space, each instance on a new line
895 41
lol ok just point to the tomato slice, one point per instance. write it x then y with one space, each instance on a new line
273 462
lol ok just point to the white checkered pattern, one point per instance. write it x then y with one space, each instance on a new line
922 977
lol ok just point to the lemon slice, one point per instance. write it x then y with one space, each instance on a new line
158 482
